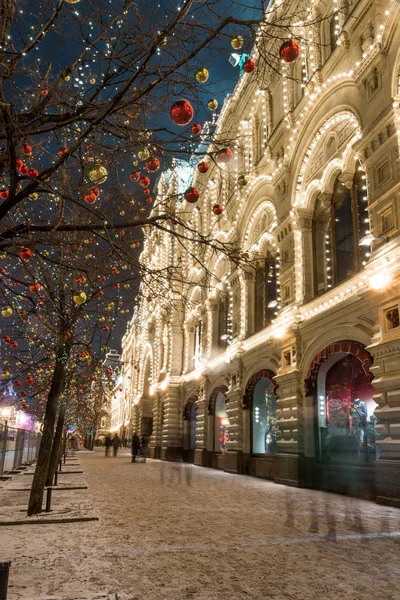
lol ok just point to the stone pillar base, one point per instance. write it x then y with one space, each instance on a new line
201 457
155 452
387 482
172 453
233 461
287 472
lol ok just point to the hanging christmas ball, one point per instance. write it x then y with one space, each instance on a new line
34 196
146 191
17 383
164 41
14 345
237 42
45 92
217 209
243 181
202 167
152 165
134 176
149 298
24 170
289 51
212 104
196 128
6 339
144 154
90 198
98 174
34 287
29 380
25 253
26 149
33 173
225 156
202 75
181 112
71 1
149 200
105 328
79 297
144 181
4 194
192 194
95 191
249 66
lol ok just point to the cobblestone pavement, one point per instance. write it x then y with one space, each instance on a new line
173 531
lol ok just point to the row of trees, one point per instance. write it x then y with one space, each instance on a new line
86 89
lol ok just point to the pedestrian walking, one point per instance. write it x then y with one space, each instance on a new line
135 445
145 447
107 444
116 442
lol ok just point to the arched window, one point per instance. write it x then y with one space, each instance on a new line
265 293
220 418
197 350
338 227
223 320
333 34
264 418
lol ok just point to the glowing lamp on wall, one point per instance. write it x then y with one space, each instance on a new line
380 280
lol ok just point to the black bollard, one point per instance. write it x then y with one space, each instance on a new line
48 499
4 570
55 477
60 465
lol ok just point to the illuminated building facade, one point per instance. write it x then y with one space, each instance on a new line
288 369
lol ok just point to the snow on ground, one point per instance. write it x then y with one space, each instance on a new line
174 532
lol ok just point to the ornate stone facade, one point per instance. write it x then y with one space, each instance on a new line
306 152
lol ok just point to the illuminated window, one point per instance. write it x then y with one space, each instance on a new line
265 296
264 419
220 418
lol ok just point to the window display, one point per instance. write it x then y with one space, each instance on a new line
220 421
265 428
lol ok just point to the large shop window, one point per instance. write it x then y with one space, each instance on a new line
338 227
265 296
346 411
264 420
220 422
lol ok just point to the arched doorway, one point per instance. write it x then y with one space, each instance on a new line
339 381
189 429
217 410
260 402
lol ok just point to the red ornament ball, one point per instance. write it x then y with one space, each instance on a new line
17 383
25 253
29 380
149 298
153 164
202 167
289 51
225 156
196 128
181 112
144 182
146 191
33 173
14 345
249 66
19 163
134 176
4 194
218 209
106 328
90 198
26 149
34 287
6 339
95 191
24 170
149 200
192 194
45 92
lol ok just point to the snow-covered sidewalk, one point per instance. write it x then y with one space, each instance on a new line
173 531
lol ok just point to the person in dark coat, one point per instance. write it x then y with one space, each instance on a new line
135 445
145 447
116 442
107 444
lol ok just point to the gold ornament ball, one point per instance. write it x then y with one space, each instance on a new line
79 297
72 1
243 181
143 154
92 80
237 42
67 78
98 174
202 75
7 312
34 196
164 41
212 104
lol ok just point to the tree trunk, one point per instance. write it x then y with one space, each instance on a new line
42 466
56 450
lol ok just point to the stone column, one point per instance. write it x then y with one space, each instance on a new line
156 437
305 221
201 457
386 371
172 429
234 456
289 412
250 291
